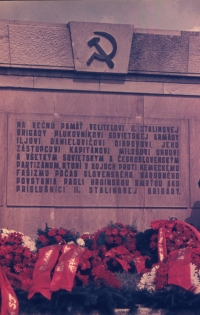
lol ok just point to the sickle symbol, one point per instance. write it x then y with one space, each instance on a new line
102 56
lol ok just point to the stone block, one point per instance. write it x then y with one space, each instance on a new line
26 102
171 107
159 53
194 55
181 89
131 87
66 84
4 45
99 104
16 81
40 46
165 169
83 32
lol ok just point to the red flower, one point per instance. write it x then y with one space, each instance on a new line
9 256
17 259
27 253
62 232
114 231
43 239
58 238
53 232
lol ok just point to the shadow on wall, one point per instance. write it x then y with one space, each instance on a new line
194 218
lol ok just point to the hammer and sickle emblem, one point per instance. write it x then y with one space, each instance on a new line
102 56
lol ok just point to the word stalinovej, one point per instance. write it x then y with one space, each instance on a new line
117 264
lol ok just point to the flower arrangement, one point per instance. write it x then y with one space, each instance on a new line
17 253
117 264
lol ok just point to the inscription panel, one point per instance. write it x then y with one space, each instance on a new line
2 156
194 162
166 171
93 161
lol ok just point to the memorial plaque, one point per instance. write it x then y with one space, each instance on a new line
30 160
194 162
165 172
96 161
74 161
2 156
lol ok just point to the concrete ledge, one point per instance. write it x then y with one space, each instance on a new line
182 89
131 87
66 84
96 84
16 81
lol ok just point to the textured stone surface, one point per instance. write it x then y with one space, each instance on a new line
98 104
194 55
2 157
166 177
82 32
92 219
131 86
16 81
194 162
40 46
181 89
171 107
159 53
26 102
26 220
4 45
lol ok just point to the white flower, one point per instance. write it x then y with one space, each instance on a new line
6 232
80 241
147 280
195 278
28 242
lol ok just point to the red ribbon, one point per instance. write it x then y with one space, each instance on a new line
65 269
10 305
124 258
63 277
179 267
47 259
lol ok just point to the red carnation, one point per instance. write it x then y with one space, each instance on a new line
53 232
114 231
58 238
43 239
62 232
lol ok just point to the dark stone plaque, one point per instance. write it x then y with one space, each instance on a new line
94 161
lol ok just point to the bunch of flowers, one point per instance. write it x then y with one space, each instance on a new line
111 249
114 235
17 253
177 235
50 236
